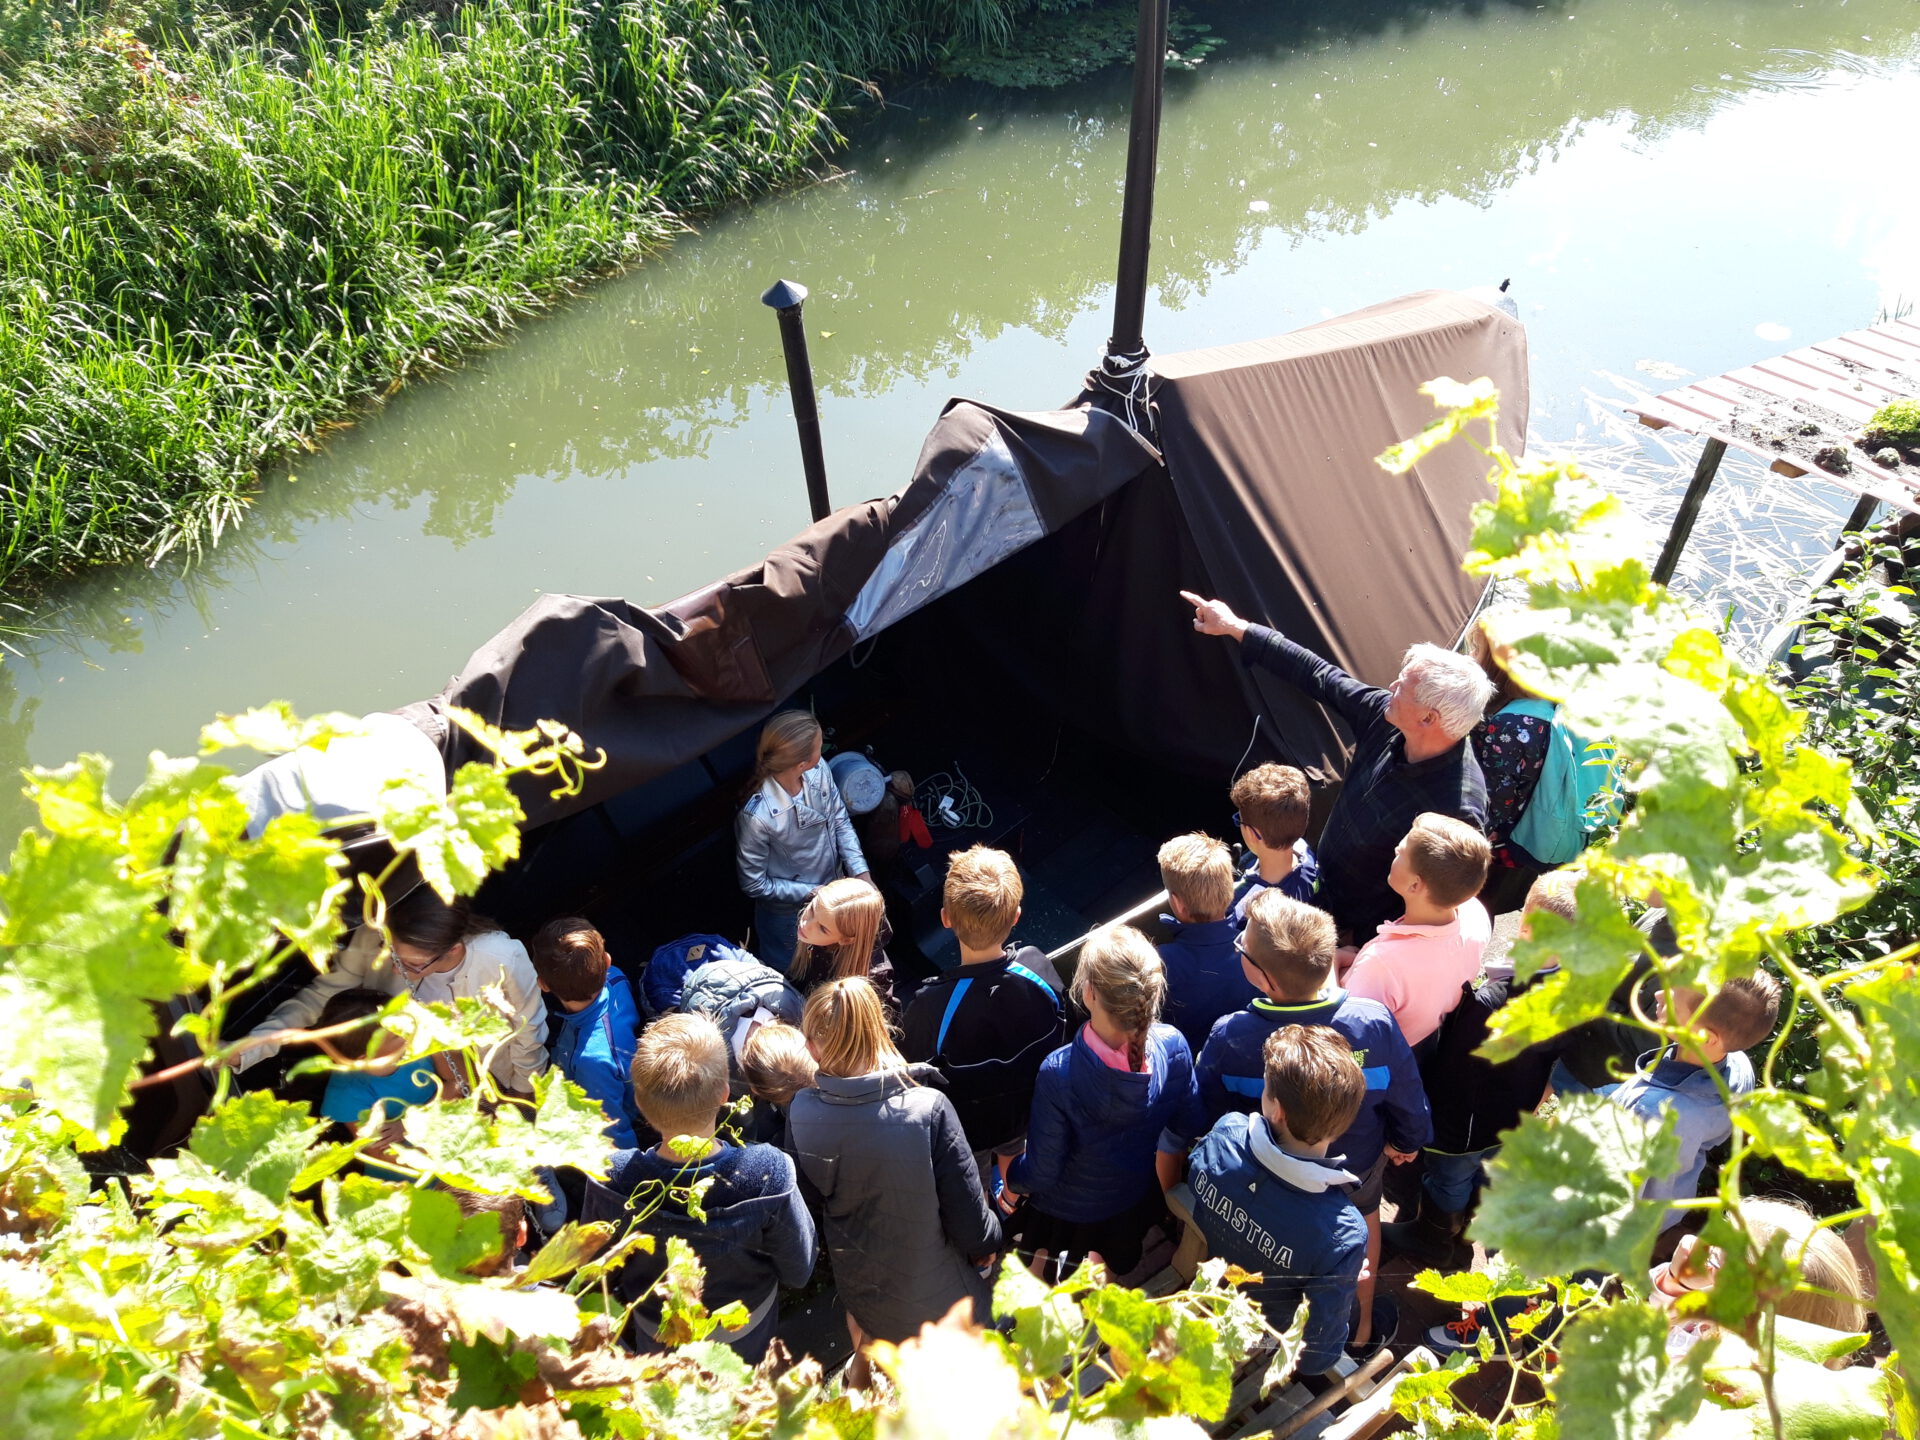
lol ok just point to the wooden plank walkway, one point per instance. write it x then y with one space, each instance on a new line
1833 385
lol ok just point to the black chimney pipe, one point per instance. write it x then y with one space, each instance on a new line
785 297
1143 159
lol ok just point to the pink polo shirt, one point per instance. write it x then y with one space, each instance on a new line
1416 971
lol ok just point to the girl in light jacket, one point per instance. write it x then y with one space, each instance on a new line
440 952
793 835
904 1217
1099 1105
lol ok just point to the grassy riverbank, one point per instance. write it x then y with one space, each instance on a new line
219 233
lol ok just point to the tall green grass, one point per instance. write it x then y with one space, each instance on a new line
208 253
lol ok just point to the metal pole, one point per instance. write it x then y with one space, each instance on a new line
1143 158
785 298
1703 474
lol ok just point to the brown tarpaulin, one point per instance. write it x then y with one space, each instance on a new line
1270 500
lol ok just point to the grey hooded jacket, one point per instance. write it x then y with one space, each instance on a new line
901 1195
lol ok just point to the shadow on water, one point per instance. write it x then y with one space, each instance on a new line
964 214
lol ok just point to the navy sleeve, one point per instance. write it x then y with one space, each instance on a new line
1408 1121
970 1227
1330 1308
1206 1101
920 1026
1041 1167
1359 705
790 1238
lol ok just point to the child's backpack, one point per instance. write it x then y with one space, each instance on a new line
731 993
666 973
1578 794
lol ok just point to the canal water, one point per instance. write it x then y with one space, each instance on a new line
1672 186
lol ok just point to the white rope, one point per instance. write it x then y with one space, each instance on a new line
1126 376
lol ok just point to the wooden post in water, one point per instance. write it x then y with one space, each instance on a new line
1697 488
784 298
1143 158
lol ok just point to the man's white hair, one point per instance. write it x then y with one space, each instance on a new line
1449 684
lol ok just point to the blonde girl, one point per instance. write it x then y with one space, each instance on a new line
793 835
843 932
904 1217
1099 1105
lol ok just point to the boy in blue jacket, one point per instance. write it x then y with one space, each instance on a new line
1204 980
1271 805
599 1021
1267 1199
1287 953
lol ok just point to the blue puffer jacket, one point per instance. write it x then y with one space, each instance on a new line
594 1049
1204 977
1091 1140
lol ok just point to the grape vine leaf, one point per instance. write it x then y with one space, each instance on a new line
82 953
457 839
1564 1192
1595 954
1782 1128
257 1139
1170 1363
1616 1381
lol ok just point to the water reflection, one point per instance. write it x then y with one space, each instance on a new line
636 441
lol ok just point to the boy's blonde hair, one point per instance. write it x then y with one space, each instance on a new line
1825 1264
1291 943
856 909
1198 872
680 1074
1553 893
776 1063
847 1028
1120 965
1742 1011
982 897
1312 1075
1450 858
1273 799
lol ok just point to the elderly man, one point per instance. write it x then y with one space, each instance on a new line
1411 754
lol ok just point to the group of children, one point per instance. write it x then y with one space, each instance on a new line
1247 1071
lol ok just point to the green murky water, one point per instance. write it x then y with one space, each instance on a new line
1669 183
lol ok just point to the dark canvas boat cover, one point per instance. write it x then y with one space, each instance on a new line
1268 497
655 688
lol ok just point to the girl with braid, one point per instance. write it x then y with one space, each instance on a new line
1099 1105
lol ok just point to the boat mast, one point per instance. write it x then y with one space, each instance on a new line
784 298
1143 158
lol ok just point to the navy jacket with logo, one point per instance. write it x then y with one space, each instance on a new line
1283 1217
987 1027
1231 1074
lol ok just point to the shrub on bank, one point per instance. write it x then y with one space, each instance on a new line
209 252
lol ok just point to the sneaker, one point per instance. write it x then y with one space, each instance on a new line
1458 1334
1385 1321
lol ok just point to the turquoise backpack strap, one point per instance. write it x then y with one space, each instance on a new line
946 1020
1014 967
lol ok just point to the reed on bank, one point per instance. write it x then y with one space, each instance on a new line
215 240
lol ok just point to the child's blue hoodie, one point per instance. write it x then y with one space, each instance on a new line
594 1049
1231 1074
1204 978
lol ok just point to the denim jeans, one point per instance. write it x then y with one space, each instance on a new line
776 933
1449 1179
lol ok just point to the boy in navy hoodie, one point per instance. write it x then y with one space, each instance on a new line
1203 969
599 1020
738 1206
1267 1199
1287 952
1271 805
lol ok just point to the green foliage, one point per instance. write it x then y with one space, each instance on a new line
1746 821
1055 42
1896 423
